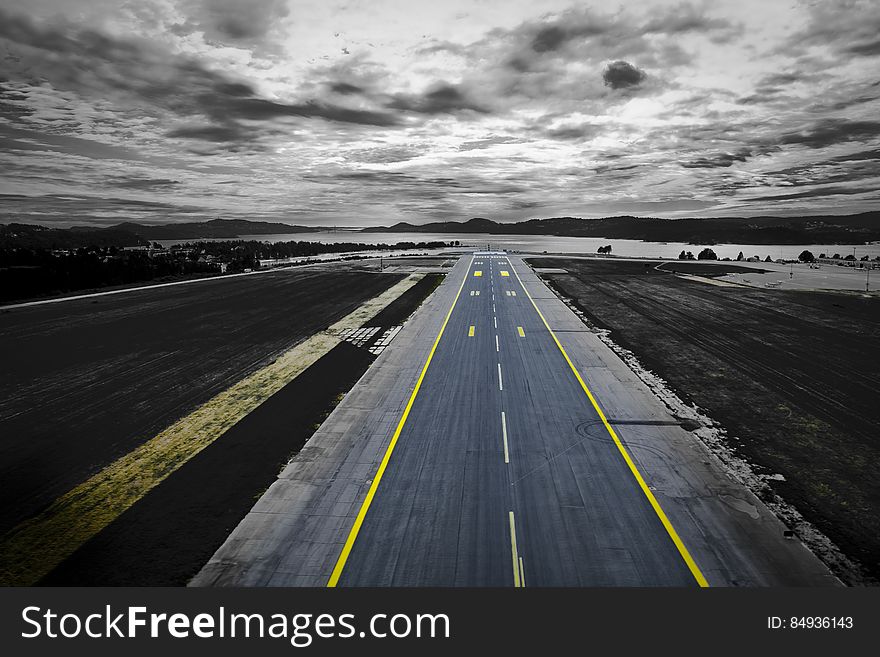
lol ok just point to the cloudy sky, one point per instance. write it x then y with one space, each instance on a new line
333 112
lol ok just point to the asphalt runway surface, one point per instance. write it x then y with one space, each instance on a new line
504 472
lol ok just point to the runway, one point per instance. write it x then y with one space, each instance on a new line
500 442
504 474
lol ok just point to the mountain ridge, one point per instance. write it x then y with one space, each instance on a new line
135 234
816 229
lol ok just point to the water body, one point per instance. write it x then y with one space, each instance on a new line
573 245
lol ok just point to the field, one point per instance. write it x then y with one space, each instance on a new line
86 381
709 268
791 375
165 537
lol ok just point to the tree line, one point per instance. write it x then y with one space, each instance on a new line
36 272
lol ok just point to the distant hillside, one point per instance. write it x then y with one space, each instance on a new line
829 229
31 236
210 229
34 236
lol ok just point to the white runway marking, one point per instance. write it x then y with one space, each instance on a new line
504 436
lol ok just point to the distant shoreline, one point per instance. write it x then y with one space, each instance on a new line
831 229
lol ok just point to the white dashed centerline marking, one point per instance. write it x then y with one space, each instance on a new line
500 382
504 436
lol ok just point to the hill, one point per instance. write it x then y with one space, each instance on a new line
825 229
34 236
215 228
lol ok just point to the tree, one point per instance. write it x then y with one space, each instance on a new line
682 256
740 256
768 259
707 254
604 249
836 256
822 255
806 256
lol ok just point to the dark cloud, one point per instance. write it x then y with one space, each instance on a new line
215 133
345 88
605 168
71 208
136 75
12 138
550 38
722 160
774 88
393 183
13 104
819 191
848 27
85 43
145 184
442 99
865 48
572 132
233 22
779 79
842 104
621 74
685 18
220 106
773 96
872 154
861 165
828 132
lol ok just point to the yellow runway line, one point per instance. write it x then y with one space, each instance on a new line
676 539
519 329
517 580
374 486
471 332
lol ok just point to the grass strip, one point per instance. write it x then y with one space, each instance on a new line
33 548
